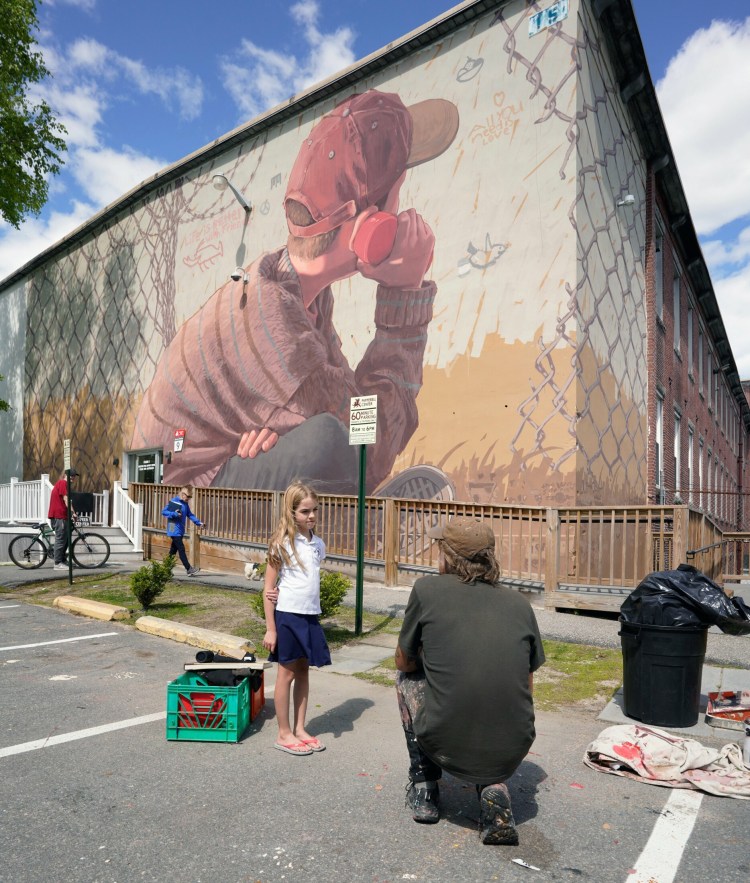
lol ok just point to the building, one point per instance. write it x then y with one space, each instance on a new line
565 347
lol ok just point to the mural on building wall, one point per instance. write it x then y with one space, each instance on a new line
476 331
257 378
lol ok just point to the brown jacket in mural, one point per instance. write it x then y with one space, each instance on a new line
254 357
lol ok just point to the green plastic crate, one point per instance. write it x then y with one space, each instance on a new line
199 712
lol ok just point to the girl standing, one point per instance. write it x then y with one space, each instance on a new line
293 632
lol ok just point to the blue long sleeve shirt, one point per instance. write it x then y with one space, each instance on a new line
177 518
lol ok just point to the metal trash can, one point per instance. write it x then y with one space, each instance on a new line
662 669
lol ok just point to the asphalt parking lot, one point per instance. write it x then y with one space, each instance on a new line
93 791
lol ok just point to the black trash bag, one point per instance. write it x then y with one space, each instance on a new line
685 598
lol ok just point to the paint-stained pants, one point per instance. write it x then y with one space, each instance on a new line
410 692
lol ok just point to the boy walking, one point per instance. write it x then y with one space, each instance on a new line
177 511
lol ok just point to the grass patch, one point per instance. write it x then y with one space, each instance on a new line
576 674
383 674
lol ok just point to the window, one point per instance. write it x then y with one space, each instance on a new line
710 371
659 271
658 450
676 310
690 453
690 341
709 499
717 499
700 361
701 496
716 393
677 457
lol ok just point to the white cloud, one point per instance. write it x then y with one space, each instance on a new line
732 294
17 247
258 78
86 5
88 54
80 110
91 66
105 175
720 254
706 106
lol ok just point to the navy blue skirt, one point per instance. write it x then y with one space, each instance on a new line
300 636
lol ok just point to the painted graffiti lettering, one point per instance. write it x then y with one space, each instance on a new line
503 122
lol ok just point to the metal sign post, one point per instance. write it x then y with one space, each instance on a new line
363 425
68 523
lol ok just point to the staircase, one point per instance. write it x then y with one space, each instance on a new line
121 549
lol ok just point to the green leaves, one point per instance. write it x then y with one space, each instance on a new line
30 136
148 581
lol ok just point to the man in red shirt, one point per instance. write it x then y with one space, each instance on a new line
58 515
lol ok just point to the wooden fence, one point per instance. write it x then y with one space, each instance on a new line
582 557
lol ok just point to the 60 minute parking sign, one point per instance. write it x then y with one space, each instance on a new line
363 420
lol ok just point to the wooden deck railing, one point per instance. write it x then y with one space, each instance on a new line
587 557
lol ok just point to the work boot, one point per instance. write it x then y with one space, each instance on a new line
423 798
496 823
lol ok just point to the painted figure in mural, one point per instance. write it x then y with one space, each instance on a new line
58 517
458 624
291 600
257 376
177 511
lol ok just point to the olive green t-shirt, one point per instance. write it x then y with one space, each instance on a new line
479 644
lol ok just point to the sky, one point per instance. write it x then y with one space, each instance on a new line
139 85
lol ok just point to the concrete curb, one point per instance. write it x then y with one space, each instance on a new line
227 645
93 609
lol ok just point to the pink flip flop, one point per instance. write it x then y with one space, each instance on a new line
297 748
314 744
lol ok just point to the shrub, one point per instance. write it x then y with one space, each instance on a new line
333 588
148 582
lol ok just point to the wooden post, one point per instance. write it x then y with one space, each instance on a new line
679 536
390 541
195 541
551 557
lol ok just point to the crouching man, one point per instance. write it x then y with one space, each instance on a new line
466 655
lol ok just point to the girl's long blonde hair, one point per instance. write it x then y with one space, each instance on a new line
282 538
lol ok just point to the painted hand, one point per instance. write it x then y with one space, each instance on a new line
410 258
256 441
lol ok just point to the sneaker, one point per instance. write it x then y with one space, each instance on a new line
496 823
60 567
423 798
193 571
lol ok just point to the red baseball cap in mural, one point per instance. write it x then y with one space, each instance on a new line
357 152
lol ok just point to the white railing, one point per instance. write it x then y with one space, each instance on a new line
28 501
128 516
100 515
25 500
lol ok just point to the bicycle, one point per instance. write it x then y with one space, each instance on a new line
88 549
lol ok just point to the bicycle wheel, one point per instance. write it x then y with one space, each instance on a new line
28 552
90 550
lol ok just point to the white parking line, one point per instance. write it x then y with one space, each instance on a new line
81 734
9 606
59 641
661 855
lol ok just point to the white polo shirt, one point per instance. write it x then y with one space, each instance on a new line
299 590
